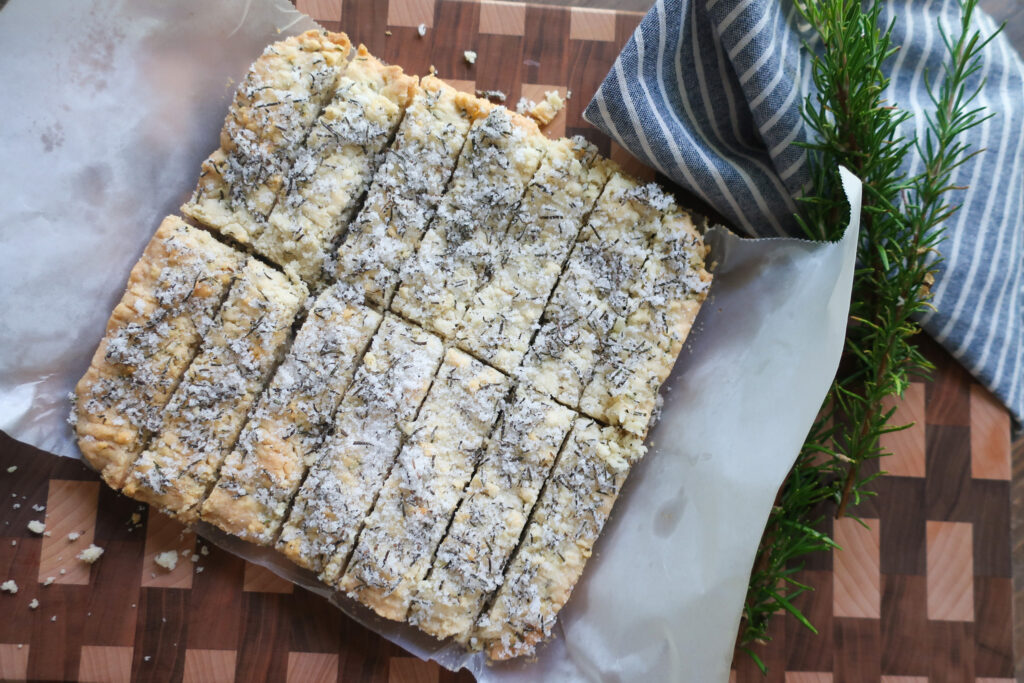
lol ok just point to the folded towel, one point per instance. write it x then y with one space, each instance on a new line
709 93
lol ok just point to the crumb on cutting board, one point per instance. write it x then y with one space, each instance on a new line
168 560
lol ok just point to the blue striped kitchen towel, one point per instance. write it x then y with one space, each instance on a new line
709 93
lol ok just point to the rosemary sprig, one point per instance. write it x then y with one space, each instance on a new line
902 219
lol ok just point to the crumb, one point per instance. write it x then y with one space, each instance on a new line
205 550
492 95
9 586
12 469
542 112
39 508
135 518
16 506
74 536
34 604
53 618
14 543
146 658
168 560
90 554
63 572
387 33
199 569
422 30
36 527
195 557
49 580
470 56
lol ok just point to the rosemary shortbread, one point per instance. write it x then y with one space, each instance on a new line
291 419
558 540
592 296
503 315
274 108
208 409
172 296
350 467
638 355
407 188
471 559
425 486
335 166
444 436
462 246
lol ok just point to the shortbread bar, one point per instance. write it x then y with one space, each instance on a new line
502 317
353 463
501 154
263 472
407 188
638 356
397 543
486 528
335 166
559 539
173 294
266 125
592 296
206 412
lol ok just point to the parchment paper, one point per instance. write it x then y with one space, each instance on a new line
109 109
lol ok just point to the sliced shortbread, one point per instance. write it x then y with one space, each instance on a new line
350 467
486 528
335 166
208 409
425 486
502 317
407 188
559 539
638 356
592 297
291 419
265 128
462 246
172 296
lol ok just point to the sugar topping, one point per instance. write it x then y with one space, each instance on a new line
348 470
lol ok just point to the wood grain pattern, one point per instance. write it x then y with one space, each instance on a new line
209 666
907 446
219 618
70 510
950 571
105 664
857 586
502 18
312 667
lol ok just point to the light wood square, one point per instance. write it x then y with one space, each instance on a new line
857 573
102 664
321 10
209 666
411 13
503 18
312 667
592 24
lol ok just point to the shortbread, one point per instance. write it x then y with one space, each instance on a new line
353 463
293 416
425 486
173 294
208 409
265 128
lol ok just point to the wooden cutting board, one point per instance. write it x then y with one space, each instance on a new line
924 593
